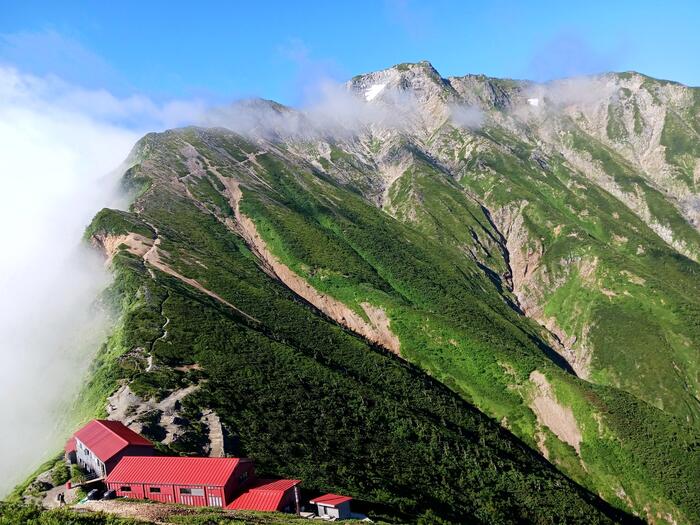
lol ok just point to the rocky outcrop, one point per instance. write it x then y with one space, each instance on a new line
125 406
216 434
552 414
110 244
408 97
532 283
524 254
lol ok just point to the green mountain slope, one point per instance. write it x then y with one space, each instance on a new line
591 198
439 310
451 318
297 393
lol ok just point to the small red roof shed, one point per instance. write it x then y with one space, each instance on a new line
188 480
107 438
267 495
333 506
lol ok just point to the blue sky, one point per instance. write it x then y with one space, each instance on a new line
224 50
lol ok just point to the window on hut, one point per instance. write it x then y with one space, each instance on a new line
193 492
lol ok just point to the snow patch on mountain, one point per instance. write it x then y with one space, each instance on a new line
373 91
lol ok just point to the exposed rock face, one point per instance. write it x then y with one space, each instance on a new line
163 417
130 409
109 244
216 435
524 253
552 414
417 90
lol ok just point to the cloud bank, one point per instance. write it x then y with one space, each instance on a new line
59 147
331 110
470 117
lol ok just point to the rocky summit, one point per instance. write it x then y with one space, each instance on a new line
461 299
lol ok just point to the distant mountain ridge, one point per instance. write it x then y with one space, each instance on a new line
423 251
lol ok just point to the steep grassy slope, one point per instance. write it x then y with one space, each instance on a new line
449 322
592 195
584 207
593 274
297 393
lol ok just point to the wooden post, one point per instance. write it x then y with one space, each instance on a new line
296 499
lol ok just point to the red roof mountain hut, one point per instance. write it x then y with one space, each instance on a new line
100 444
195 481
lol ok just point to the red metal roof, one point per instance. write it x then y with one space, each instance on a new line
331 499
107 438
263 501
265 495
273 484
167 470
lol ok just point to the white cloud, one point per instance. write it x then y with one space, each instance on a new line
54 95
59 146
470 117
332 111
575 91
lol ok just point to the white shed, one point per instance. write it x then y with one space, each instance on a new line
333 506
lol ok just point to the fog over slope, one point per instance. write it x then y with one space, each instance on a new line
57 160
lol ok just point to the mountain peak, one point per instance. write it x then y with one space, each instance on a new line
419 78
422 64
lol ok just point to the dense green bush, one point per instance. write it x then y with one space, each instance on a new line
116 222
307 399
60 473
77 475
